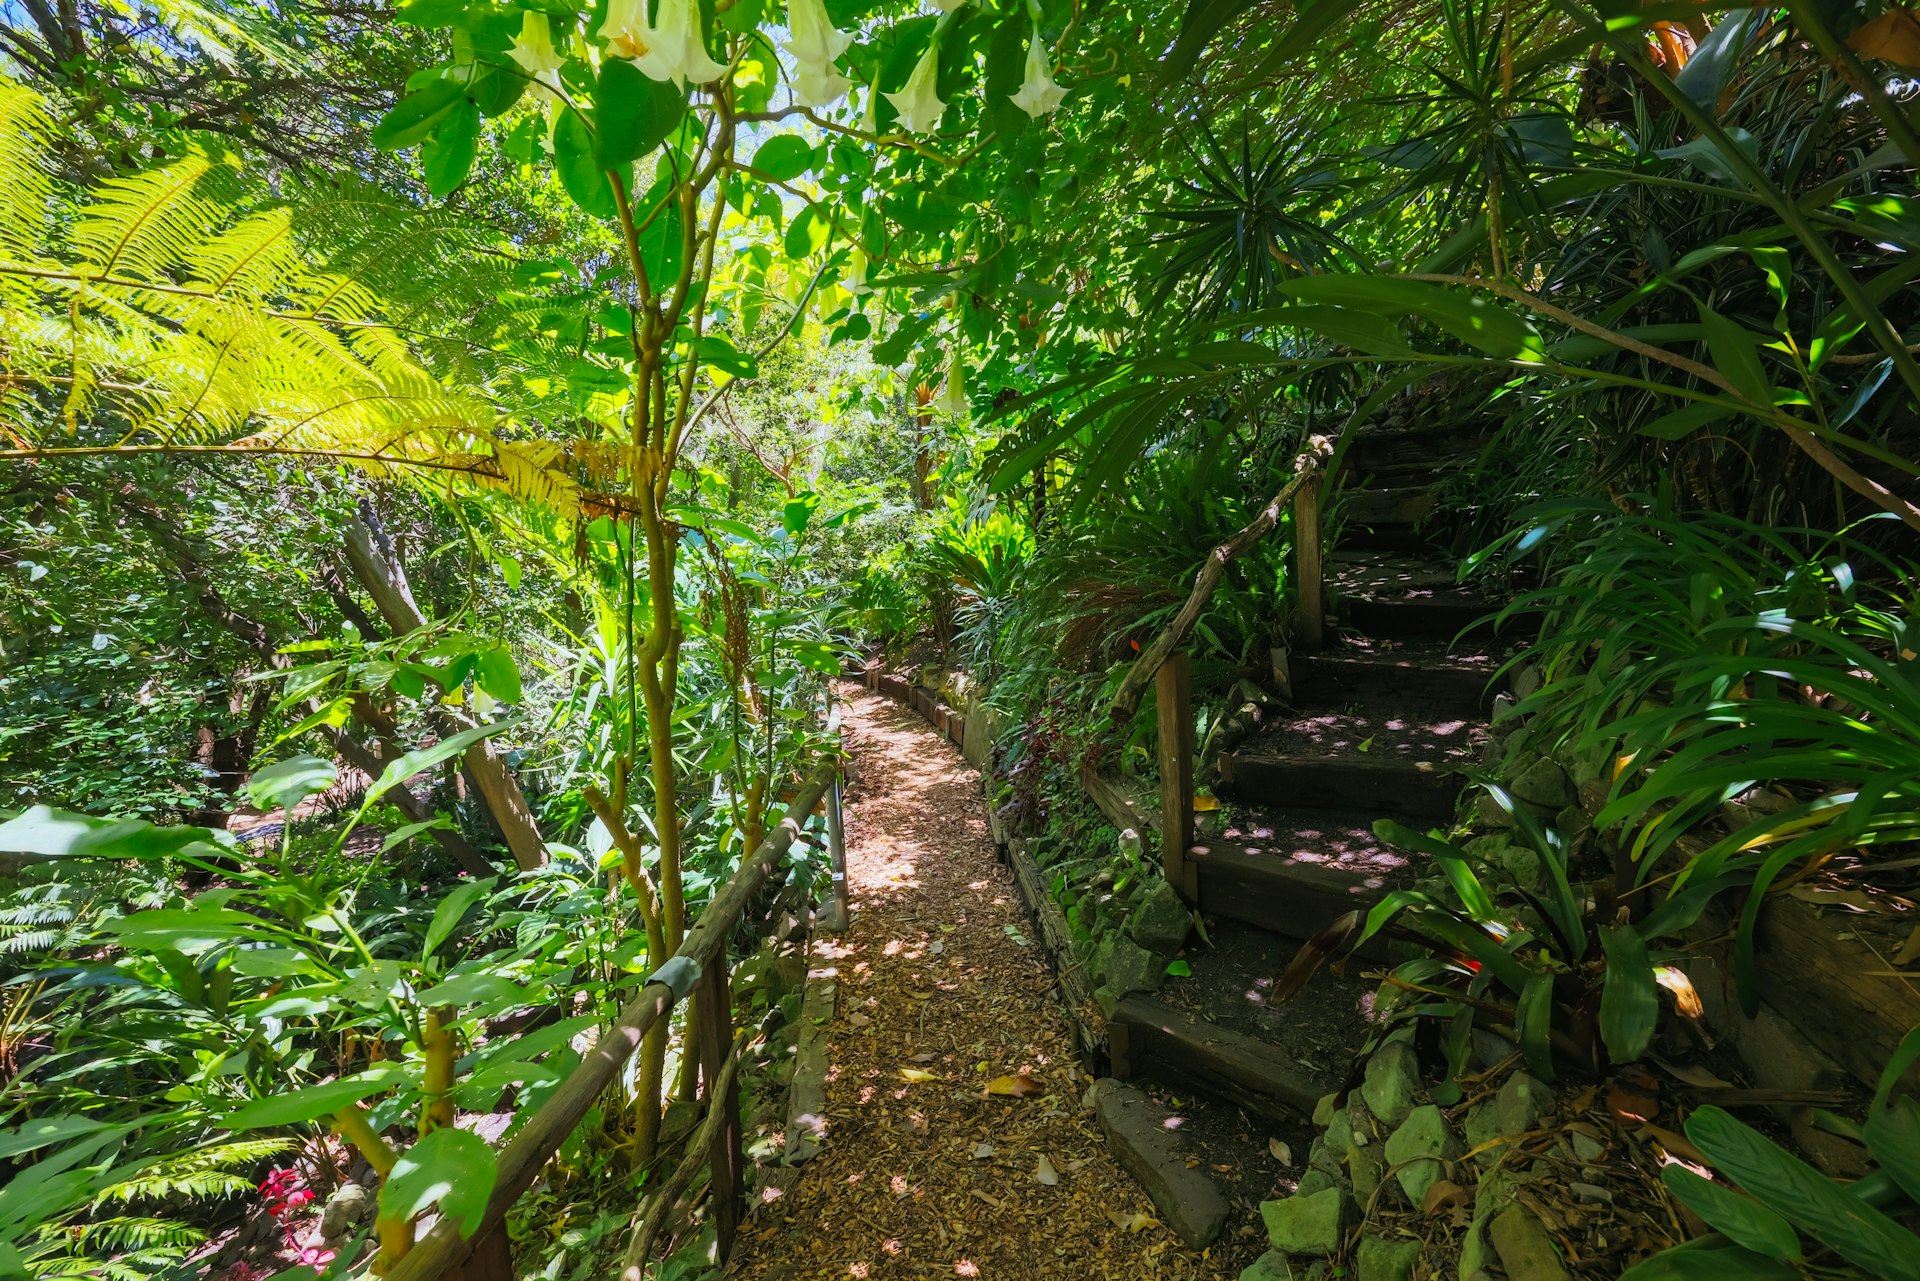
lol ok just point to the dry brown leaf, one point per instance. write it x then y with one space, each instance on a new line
1044 1173
1686 1001
1443 1195
1281 1152
1018 1086
1893 37
982 1152
1676 1144
1630 1102
1132 1222
925 1056
917 1074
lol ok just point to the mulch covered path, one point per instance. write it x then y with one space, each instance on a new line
942 992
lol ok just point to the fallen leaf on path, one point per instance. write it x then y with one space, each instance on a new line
1044 1172
917 1074
1631 1102
1019 1087
1443 1195
982 1152
1132 1222
925 1056
858 1020
1281 1152
936 947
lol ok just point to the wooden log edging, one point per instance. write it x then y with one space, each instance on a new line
1056 940
527 1153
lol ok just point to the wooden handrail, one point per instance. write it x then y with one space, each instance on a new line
1307 473
444 1248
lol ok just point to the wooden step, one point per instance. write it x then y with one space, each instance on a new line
1433 616
1301 880
1407 506
1147 1037
1425 674
1376 785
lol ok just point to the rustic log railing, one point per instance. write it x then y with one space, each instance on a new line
700 966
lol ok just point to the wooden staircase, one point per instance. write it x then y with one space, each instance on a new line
1383 717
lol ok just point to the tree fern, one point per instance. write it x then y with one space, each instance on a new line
185 308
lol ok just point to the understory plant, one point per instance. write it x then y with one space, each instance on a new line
1748 694
1786 1218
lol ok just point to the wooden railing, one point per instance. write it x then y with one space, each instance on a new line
698 969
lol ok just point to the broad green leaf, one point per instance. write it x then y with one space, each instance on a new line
314 1102
634 112
1804 1197
450 153
450 1168
401 835
1687 419
1736 355
188 930
1533 1022
451 910
495 673
49 833
784 157
807 234
416 115
1742 1219
1629 995
1472 319
1892 1133
581 172
43 1132
798 511
284 784
402 768
1474 898
1711 1258
476 988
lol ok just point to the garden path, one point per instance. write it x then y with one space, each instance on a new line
943 993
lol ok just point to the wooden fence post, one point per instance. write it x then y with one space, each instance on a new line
1308 568
1173 697
714 1008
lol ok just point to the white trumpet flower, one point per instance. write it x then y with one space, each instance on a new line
814 43
673 49
918 101
534 51
870 121
1038 94
953 393
856 281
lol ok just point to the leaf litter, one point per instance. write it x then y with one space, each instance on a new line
1005 1179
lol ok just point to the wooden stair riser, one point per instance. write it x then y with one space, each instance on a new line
1285 896
1414 788
1148 1038
1332 677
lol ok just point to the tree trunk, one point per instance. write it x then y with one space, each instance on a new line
378 567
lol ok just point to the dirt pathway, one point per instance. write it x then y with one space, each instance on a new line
941 991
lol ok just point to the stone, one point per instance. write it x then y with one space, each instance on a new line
1365 1168
1107 999
1379 1259
1323 1110
1545 784
349 1206
1526 681
763 973
1306 1224
1488 812
1271 1266
1189 1201
1587 1149
1130 967
1525 1249
1161 922
1392 1079
1339 1132
1314 1181
1522 1104
1491 1049
1420 1147
1483 1127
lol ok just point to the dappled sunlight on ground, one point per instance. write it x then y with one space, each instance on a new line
943 990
